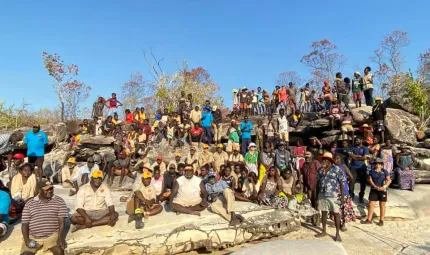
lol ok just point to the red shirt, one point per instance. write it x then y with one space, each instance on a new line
146 129
196 132
129 118
112 103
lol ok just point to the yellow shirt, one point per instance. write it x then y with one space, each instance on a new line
206 157
148 192
88 199
219 159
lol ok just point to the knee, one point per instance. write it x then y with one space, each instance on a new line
116 215
74 219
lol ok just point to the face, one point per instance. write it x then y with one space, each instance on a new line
18 162
308 159
48 194
70 165
244 174
272 172
157 174
146 181
326 163
196 108
36 129
357 141
281 112
205 149
388 142
334 145
90 164
192 152
218 149
26 171
85 122
96 182
252 148
113 95
236 169
227 171
337 160
188 173
245 118
345 144
172 170
282 147
375 140
203 171
378 166
366 70
288 174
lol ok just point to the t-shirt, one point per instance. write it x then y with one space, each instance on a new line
246 128
361 151
356 85
5 203
149 192
36 143
207 119
129 118
196 131
378 178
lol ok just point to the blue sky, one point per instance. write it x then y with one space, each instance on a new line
239 42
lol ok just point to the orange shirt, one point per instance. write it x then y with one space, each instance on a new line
283 94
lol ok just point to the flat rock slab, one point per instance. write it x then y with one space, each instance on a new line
293 247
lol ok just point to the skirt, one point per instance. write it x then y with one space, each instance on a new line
275 201
346 211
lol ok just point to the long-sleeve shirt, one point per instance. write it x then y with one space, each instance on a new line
282 158
378 112
217 188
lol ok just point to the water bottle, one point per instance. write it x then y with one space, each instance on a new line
32 244
145 217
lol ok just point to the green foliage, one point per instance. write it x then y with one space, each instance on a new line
417 92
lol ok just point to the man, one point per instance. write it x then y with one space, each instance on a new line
342 88
193 158
314 147
94 205
309 173
144 201
283 126
236 158
189 195
206 158
17 162
195 116
246 128
5 203
207 121
378 115
203 175
168 179
330 183
217 124
282 157
221 198
292 93
220 158
69 171
7 146
358 154
120 167
43 221
260 96
82 176
36 141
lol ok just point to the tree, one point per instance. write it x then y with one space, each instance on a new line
323 61
424 67
289 76
70 92
389 59
136 91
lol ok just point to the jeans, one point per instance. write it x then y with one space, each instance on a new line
245 144
361 175
207 135
368 97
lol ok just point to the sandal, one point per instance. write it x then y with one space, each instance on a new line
380 223
366 222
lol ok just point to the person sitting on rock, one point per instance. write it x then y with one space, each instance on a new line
334 116
203 175
94 205
82 176
23 186
404 174
346 124
206 158
282 157
144 202
17 162
108 126
67 174
221 198
189 194
193 157
168 179
367 134
297 119
160 163
157 181
196 134
121 167
248 190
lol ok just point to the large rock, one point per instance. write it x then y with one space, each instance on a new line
426 143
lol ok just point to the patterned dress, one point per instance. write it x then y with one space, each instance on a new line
387 157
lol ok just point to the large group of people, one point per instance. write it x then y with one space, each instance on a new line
265 168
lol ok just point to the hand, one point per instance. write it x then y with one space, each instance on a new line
88 222
204 203
61 243
112 219
342 200
28 244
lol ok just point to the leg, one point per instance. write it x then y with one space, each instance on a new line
193 210
352 183
370 211
218 208
324 224
382 211
337 223
57 250
121 178
156 209
363 182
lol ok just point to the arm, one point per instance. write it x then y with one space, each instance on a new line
372 184
175 189
204 195
348 173
139 195
61 242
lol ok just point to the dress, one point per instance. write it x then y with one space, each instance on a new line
346 211
272 199
387 157
405 178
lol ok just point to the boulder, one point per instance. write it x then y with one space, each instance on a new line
422 176
426 143
401 126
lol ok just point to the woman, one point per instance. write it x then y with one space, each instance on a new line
387 157
128 117
379 180
196 134
269 191
108 126
333 147
326 91
346 211
405 177
267 102
23 185
267 160
299 153
334 113
251 158
157 181
375 148
249 189
287 182
368 86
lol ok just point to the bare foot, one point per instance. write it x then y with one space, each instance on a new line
338 239
123 199
320 235
195 213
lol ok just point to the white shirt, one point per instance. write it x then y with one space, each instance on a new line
189 191
84 170
283 124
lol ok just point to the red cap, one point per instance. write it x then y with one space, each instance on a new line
18 156
160 157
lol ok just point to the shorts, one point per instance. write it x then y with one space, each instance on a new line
376 195
284 136
347 128
243 105
292 101
328 204
36 160
357 96
3 228
94 214
45 243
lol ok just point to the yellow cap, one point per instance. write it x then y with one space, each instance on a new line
71 160
97 174
205 146
378 99
220 145
178 154
146 174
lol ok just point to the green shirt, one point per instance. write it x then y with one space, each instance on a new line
234 136
356 85
251 158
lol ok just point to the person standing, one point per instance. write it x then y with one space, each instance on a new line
378 115
235 99
379 180
358 155
246 128
217 124
330 183
195 116
36 141
283 126
43 221
342 88
357 89
308 174
368 86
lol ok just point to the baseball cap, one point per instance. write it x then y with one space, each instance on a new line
71 160
159 157
211 175
205 146
146 174
97 174
18 156
44 184
252 145
220 145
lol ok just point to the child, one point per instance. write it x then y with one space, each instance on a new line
357 89
326 90
302 100
307 98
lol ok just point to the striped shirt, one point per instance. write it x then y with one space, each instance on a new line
42 217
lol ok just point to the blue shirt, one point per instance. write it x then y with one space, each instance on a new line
360 151
5 203
207 119
246 128
217 188
329 184
378 178
36 143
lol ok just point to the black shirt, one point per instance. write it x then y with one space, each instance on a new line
168 179
378 112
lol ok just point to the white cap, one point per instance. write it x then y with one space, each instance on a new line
357 73
252 145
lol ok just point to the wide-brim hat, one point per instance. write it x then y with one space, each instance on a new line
378 98
328 156
377 161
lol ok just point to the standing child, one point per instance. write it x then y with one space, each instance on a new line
302 100
307 98
326 90
357 89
